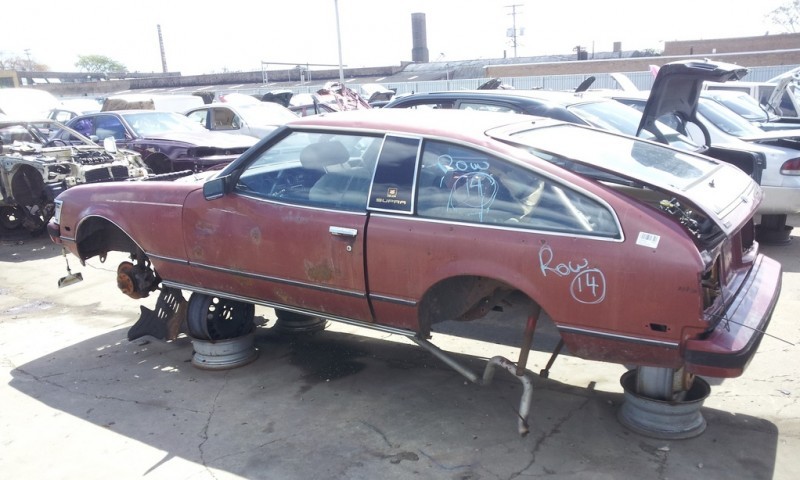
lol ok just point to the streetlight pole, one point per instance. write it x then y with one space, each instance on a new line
339 40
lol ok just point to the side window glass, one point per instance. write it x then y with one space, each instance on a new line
199 116
222 119
317 169
485 107
465 185
83 126
108 126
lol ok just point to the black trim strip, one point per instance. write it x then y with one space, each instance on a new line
395 300
283 281
348 321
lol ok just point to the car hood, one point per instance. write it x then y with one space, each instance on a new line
676 88
207 139
782 85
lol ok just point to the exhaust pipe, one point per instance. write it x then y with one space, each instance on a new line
70 278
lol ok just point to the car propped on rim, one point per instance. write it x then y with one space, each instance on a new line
397 220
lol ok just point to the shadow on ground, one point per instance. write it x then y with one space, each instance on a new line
335 405
20 246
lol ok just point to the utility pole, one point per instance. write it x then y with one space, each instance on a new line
339 41
163 55
512 32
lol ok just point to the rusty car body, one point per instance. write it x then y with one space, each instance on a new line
34 170
397 220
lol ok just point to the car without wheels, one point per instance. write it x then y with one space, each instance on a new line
397 220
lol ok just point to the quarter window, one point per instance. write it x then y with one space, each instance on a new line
466 185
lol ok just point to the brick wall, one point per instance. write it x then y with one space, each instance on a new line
762 43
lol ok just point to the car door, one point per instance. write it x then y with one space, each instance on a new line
291 232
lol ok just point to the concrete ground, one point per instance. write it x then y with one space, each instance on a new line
81 401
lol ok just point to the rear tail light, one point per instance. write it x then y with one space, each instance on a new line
791 167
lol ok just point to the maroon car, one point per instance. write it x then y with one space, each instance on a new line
167 141
640 254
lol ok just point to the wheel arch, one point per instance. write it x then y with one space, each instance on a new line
467 298
158 162
97 235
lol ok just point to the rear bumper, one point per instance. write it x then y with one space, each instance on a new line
730 347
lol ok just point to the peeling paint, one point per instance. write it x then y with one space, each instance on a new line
322 272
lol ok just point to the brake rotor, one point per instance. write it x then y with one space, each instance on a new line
126 281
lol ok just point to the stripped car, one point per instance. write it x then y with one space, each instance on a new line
34 170
400 220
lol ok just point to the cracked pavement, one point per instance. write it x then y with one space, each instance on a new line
80 401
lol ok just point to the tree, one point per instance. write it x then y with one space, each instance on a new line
99 64
787 15
20 64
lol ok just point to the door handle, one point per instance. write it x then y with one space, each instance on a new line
342 231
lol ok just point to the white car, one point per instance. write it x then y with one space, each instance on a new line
256 119
676 101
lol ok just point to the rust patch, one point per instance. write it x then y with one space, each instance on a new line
321 272
197 251
255 235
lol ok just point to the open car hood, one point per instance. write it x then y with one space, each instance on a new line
281 97
676 88
782 85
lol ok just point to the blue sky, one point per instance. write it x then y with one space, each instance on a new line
213 37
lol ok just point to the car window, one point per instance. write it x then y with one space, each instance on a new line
84 126
485 107
156 122
223 119
466 185
726 120
316 169
787 105
109 126
62 116
199 116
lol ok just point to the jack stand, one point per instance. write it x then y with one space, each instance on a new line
166 321
545 372
70 278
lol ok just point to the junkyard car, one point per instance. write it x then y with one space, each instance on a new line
255 118
167 141
395 220
33 171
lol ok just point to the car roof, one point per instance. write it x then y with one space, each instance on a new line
451 123
563 99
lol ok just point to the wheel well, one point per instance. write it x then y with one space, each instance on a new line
98 236
158 163
465 298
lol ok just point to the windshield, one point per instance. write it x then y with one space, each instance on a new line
621 118
146 124
744 105
626 157
723 118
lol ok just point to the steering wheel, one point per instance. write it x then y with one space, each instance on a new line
55 142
